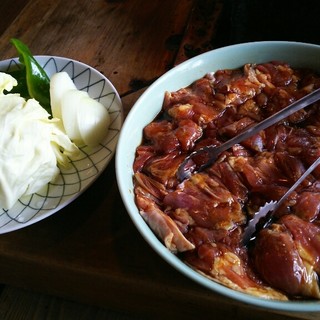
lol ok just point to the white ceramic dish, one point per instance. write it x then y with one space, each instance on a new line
148 106
72 182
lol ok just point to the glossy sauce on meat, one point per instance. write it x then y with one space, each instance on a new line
202 218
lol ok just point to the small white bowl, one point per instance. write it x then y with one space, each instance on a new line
86 169
149 105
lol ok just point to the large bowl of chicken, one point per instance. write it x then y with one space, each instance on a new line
197 224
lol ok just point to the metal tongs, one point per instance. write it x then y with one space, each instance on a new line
266 212
188 165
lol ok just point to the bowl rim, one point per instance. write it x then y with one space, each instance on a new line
147 233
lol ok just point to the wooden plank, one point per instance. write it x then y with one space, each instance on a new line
201 29
128 41
9 11
17 304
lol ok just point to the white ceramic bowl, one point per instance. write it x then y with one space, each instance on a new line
149 105
85 170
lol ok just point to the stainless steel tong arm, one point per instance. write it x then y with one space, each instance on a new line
214 151
270 208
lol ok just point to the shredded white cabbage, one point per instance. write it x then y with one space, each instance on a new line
31 145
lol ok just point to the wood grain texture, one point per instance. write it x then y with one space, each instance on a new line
18 304
131 42
201 30
9 11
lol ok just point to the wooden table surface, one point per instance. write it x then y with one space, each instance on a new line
90 251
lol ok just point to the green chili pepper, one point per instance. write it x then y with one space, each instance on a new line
32 76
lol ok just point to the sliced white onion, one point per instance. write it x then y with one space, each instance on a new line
59 84
93 121
85 120
71 101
